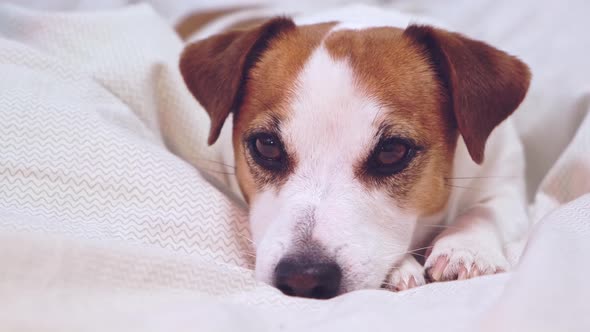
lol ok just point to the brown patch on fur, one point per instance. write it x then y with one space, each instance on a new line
267 94
215 69
249 72
248 23
485 84
392 69
194 22
433 82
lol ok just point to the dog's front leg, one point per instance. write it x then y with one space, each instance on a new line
469 247
488 210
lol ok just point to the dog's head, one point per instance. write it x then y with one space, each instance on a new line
343 139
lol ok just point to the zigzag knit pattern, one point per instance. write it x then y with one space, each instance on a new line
102 148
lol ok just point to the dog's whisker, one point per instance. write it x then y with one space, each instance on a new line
482 177
441 226
209 170
246 238
216 162
462 187
412 252
418 249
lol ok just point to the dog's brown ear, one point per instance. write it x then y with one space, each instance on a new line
214 69
485 85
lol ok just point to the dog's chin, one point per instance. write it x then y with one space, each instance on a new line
370 282
371 278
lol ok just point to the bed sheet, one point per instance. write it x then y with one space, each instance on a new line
114 214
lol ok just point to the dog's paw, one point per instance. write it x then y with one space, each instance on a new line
460 257
407 274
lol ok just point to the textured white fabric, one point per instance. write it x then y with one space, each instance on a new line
106 224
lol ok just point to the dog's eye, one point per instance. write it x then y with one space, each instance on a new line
391 153
267 150
391 156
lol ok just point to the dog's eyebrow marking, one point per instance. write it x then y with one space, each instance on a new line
382 130
387 130
268 123
377 115
275 121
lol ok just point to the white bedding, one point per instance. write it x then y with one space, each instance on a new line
106 224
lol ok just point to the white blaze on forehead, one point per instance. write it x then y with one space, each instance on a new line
332 119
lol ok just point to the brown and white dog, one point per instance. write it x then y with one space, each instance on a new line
349 137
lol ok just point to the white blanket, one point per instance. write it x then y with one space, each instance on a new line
106 224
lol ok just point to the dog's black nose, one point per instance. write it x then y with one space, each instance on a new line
304 279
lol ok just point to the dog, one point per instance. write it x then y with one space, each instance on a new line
350 137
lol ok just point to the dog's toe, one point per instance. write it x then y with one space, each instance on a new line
408 274
463 273
455 260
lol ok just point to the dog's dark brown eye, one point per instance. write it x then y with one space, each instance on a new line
267 151
391 156
392 153
268 147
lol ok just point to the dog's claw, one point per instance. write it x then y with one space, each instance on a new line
401 286
439 267
463 273
412 283
474 271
